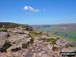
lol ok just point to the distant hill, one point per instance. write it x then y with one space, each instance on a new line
68 31
6 25
9 25
39 26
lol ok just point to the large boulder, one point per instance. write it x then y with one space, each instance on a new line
73 44
16 30
18 39
3 37
26 32
61 42
69 49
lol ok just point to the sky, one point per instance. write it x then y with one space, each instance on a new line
38 12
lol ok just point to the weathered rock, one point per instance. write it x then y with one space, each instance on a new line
28 28
73 44
19 39
45 33
69 49
24 45
16 30
44 36
61 42
14 48
3 37
26 32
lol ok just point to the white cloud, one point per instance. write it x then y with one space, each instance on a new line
26 8
31 9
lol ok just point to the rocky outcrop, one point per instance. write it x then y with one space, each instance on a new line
3 37
24 42
17 39
61 42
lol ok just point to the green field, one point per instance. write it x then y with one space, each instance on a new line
67 31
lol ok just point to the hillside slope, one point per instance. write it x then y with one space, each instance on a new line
27 42
9 25
68 31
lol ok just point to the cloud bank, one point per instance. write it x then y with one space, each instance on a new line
31 9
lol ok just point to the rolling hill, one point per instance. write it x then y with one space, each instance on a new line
67 31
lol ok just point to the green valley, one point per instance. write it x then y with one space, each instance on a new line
67 31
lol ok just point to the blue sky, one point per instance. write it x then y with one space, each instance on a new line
38 11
